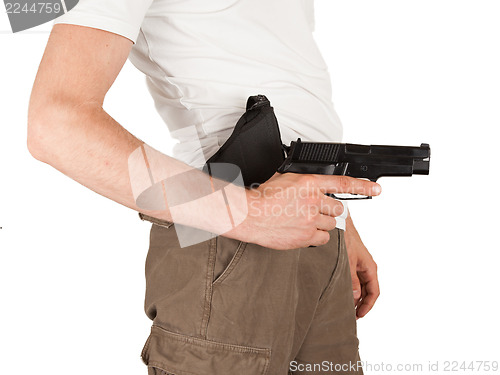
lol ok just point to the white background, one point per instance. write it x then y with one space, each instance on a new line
403 72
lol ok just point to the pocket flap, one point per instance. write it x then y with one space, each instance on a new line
185 355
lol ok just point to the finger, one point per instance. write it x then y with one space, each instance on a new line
356 285
345 184
356 288
368 301
362 295
360 301
321 237
330 206
325 222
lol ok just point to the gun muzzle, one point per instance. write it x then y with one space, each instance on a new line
421 164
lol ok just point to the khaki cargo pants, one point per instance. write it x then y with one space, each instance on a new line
226 307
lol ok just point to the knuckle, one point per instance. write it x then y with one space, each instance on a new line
372 273
307 179
325 206
311 200
333 223
308 234
338 209
311 233
344 183
309 221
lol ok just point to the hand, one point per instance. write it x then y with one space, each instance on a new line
291 210
365 285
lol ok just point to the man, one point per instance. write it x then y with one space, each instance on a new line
231 304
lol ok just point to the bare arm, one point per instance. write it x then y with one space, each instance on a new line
67 126
69 129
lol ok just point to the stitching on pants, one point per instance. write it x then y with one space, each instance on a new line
232 264
204 342
212 250
159 371
171 371
334 273
145 349
268 362
217 346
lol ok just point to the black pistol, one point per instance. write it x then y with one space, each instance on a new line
255 146
360 161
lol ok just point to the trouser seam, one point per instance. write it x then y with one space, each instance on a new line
334 277
212 250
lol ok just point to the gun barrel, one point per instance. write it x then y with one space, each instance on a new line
356 160
420 167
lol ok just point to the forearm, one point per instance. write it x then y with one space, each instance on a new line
89 146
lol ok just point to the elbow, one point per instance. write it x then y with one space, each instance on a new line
52 125
46 128
36 134
34 146
37 117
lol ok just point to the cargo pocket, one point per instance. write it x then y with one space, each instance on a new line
169 353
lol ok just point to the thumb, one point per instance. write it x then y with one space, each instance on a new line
356 287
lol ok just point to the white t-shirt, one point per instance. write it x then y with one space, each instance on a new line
204 58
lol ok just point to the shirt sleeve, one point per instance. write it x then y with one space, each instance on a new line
122 17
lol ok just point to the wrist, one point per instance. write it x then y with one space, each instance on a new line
350 234
244 229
